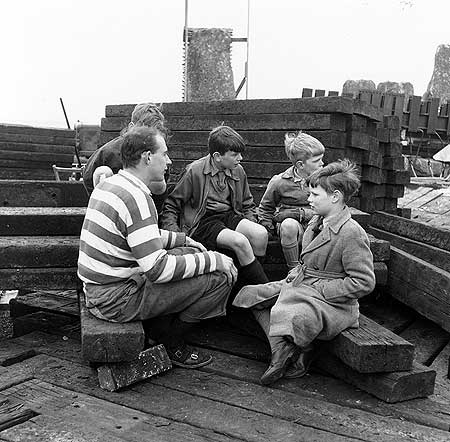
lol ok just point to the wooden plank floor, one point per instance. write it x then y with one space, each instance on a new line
57 393
429 202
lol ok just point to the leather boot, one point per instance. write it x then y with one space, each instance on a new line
281 358
301 366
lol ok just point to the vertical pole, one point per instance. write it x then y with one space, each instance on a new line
186 48
64 110
248 46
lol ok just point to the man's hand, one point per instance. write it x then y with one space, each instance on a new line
191 243
225 264
289 213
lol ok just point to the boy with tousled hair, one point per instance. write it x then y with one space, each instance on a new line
284 207
319 297
212 203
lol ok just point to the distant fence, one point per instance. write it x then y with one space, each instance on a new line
415 115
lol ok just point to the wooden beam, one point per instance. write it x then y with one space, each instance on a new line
414 230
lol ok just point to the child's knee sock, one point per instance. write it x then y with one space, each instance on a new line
290 252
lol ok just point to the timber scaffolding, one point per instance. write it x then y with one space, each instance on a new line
48 378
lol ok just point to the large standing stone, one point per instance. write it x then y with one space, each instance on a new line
393 87
208 64
439 85
354 87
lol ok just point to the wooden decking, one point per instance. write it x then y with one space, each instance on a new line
48 393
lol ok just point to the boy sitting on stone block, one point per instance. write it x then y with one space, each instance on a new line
284 207
319 297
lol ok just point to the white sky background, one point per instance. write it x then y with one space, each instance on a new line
99 52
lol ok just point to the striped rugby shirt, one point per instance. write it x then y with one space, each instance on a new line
120 237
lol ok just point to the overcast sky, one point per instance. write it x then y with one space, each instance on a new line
98 52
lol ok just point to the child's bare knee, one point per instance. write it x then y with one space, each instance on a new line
290 228
239 243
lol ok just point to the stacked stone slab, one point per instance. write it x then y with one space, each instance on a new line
348 128
28 153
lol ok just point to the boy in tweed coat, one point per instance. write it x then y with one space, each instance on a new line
319 297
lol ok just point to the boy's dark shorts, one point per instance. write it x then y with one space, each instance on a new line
212 224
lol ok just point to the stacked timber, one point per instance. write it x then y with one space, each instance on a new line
348 128
419 265
28 153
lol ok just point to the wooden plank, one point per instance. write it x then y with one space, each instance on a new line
414 110
24 164
428 339
424 199
103 341
287 405
149 363
420 285
12 412
390 387
41 221
32 139
16 193
38 251
44 321
169 404
102 420
388 104
399 106
30 130
371 348
48 301
26 174
412 229
433 255
428 412
308 121
38 148
362 141
35 157
256 106
432 115
39 278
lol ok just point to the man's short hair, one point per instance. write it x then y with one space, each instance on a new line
301 147
150 115
341 175
137 140
223 139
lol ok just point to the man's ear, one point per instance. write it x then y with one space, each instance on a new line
146 157
299 164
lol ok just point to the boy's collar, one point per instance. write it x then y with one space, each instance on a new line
290 173
135 180
336 221
211 168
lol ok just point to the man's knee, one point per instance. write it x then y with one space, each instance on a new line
290 229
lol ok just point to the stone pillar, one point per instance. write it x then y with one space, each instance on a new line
208 63
439 85
354 87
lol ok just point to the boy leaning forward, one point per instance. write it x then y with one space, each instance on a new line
319 297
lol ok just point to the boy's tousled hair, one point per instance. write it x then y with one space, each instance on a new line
136 140
149 115
223 139
301 147
341 175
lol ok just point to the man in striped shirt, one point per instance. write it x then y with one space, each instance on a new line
132 270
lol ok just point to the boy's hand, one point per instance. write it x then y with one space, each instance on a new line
191 243
225 265
289 213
